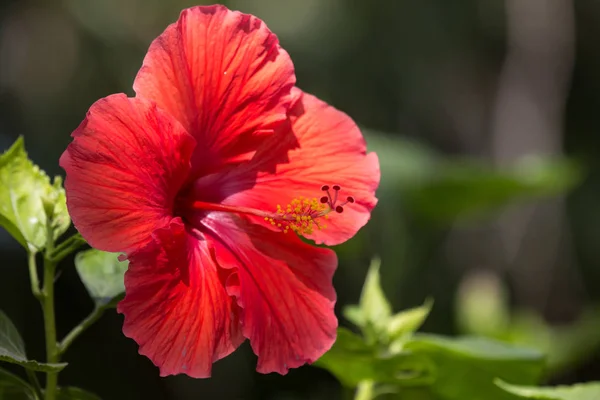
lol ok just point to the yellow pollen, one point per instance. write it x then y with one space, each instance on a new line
302 215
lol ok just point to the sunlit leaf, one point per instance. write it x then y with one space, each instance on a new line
404 323
408 321
584 391
102 274
12 348
28 199
354 314
352 361
374 309
14 388
73 393
466 367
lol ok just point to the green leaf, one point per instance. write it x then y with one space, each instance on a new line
374 309
28 199
352 361
55 203
408 321
373 303
466 187
466 367
73 393
584 391
12 348
404 323
14 388
102 274
354 314
405 163
442 189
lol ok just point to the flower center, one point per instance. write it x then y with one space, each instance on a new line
301 215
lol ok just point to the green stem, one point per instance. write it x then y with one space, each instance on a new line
52 355
365 391
67 247
33 275
79 329
34 382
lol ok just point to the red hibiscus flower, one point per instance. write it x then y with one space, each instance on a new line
204 181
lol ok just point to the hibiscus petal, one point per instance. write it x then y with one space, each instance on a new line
284 288
124 167
324 147
175 306
223 75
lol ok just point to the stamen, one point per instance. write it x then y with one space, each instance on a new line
302 215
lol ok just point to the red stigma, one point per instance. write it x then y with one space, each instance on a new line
332 201
339 209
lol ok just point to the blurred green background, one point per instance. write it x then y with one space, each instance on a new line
485 116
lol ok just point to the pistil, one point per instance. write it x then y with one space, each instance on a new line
302 215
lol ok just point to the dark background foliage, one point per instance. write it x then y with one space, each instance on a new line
448 93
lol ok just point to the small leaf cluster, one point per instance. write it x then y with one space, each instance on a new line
390 359
31 207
